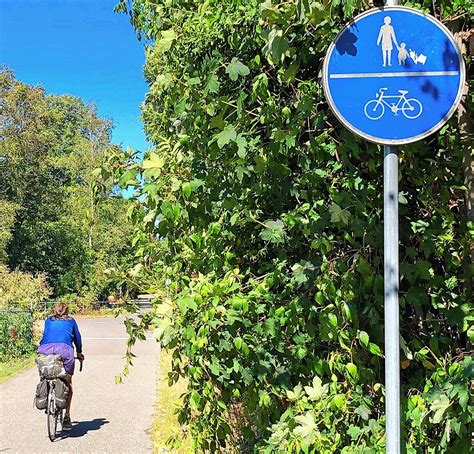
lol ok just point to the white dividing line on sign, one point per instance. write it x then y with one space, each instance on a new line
397 74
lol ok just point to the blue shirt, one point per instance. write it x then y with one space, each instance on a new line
62 330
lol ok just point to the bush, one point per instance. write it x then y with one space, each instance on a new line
21 289
16 334
267 216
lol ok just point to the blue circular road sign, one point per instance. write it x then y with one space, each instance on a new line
393 75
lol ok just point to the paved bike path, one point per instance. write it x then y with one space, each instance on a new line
106 417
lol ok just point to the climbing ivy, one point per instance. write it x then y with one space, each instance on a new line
265 214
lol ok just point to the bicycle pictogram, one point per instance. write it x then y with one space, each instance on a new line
411 108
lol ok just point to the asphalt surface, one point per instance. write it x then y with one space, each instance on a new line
106 417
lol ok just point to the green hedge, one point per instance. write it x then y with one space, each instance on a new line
16 334
266 215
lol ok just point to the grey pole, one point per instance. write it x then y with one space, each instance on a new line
391 280
391 306
391 283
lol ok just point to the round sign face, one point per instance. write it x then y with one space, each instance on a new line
393 75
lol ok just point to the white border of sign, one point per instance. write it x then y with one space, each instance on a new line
380 140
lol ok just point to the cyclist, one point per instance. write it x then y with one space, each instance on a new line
60 333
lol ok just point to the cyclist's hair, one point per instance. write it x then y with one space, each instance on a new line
61 310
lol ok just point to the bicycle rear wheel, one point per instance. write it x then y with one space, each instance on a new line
412 108
51 414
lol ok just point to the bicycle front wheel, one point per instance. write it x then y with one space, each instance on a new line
374 110
51 413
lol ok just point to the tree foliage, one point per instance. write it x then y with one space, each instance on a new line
266 215
56 217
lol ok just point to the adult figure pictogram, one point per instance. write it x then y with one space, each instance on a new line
387 35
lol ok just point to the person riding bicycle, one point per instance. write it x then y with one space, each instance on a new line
60 334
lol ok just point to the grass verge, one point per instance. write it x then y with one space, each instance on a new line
12 367
165 425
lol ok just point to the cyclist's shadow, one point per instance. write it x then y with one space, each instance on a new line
81 428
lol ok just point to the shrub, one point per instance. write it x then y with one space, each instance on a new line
266 214
16 334
21 289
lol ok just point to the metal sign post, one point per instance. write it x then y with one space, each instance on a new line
393 75
391 302
391 311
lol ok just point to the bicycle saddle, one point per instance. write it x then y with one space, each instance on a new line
403 92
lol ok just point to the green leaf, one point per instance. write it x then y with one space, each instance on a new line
185 303
236 68
338 214
316 391
226 136
405 348
354 432
332 319
290 73
439 407
241 146
186 188
277 46
402 199
306 425
162 81
296 394
363 412
165 41
339 401
274 232
419 226
375 349
128 178
212 85
352 369
363 338
195 400
153 162
194 81
238 342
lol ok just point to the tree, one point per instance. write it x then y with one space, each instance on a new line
6 223
266 214
55 211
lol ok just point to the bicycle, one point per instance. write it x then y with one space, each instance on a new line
410 107
53 413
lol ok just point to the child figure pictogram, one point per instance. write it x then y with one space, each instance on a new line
402 54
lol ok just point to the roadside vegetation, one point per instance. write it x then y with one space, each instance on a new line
63 234
265 214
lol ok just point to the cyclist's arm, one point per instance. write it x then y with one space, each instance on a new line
77 336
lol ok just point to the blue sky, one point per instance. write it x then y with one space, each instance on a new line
79 47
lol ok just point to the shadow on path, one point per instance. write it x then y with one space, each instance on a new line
82 427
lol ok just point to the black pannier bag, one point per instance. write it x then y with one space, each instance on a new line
41 395
61 391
